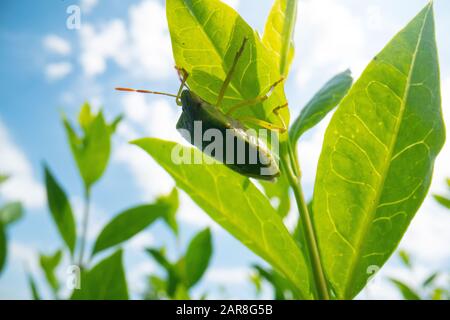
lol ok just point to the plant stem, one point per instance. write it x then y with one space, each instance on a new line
294 176
87 200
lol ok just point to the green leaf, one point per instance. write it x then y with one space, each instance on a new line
11 212
3 246
206 36
405 258
323 102
91 151
130 222
249 216
197 257
378 156
281 286
429 281
105 281
174 272
173 203
61 210
278 190
407 292
49 263
442 200
3 178
279 33
33 287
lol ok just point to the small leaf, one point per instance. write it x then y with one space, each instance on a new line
129 223
174 272
249 216
429 281
105 281
378 156
405 258
48 264
197 257
61 210
279 33
3 178
407 292
3 246
442 200
33 287
11 212
92 150
324 101
173 203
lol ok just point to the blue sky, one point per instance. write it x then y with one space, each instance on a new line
47 68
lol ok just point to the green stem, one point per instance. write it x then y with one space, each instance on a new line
84 227
294 176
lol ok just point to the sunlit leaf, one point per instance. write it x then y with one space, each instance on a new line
279 33
3 178
197 257
443 201
378 156
105 281
279 192
405 258
206 36
237 205
91 150
61 210
323 102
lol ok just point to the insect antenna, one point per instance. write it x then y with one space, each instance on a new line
147 91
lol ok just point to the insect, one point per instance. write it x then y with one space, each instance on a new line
240 157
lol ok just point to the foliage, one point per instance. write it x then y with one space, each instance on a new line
376 162
10 213
106 279
185 273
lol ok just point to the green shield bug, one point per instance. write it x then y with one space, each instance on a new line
239 147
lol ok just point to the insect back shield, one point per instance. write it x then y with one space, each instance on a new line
221 137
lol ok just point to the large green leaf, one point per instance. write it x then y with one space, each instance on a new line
3 246
324 101
130 222
205 38
278 191
105 281
61 210
91 150
197 257
236 204
378 156
279 33
11 212
48 264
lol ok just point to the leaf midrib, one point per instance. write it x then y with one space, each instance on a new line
379 191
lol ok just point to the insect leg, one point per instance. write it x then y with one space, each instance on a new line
268 125
259 99
183 77
227 81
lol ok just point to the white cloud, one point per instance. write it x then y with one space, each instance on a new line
228 275
22 185
98 44
142 47
56 44
141 241
137 276
56 71
24 255
88 5
329 37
